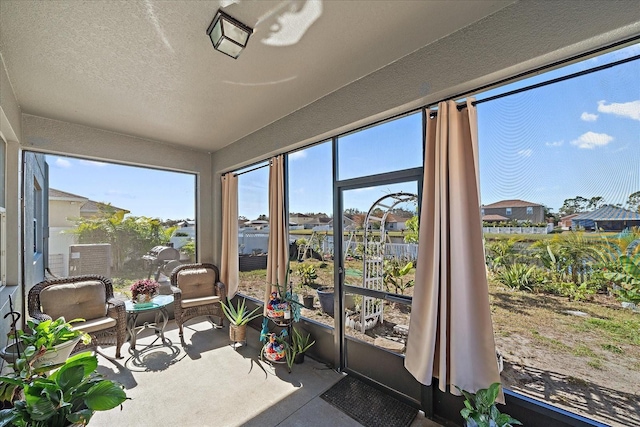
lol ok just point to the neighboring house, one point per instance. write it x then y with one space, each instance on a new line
186 231
92 209
395 222
518 210
494 218
313 221
64 208
607 218
565 221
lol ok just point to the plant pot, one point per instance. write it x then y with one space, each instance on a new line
238 333
325 296
299 358
307 301
10 352
56 355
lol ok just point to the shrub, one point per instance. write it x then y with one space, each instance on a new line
519 276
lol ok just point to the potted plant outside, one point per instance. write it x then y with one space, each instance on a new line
299 345
238 317
480 409
308 276
69 396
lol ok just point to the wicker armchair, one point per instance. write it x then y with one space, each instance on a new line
87 297
197 291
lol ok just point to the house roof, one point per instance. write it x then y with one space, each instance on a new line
396 218
55 194
609 213
92 206
515 203
568 217
494 218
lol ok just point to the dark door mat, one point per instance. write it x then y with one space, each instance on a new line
368 405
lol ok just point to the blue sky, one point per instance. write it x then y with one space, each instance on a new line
144 192
580 137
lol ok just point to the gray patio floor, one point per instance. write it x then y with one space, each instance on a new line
211 384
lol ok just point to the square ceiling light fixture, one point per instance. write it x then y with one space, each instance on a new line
228 35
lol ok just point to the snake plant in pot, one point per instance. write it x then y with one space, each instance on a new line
299 345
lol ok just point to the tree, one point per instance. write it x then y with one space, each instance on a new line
130 237
575 205
633 203
412 230
263 217
595 203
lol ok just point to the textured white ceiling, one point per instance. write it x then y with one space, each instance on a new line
147 68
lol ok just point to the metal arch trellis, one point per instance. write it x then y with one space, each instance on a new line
371 312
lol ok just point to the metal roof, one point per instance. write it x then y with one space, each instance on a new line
609 213
511 204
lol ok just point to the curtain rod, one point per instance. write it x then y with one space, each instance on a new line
250 170
546 83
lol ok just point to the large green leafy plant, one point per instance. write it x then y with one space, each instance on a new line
49 333
628 280
68 396
480 409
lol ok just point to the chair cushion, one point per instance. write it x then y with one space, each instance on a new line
95 325
194 302
197 283
80 300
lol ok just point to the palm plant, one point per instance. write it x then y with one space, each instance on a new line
502 253
578 252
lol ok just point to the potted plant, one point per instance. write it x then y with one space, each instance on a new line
143 290
480 409
49 342
69 396
238 317
308 276
299 345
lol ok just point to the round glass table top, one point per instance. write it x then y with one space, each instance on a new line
156 302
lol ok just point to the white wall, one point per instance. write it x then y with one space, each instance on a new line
59 241
10 127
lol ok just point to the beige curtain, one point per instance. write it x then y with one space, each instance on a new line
278 252
229 260
450 332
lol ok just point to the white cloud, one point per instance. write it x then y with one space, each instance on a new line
525 153
63 163
554 143
93 163
589 117
626 109
298 155
591 140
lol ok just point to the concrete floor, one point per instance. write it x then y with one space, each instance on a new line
208 383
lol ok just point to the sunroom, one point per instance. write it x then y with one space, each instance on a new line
342 95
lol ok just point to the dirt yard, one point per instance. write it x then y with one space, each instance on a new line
581 356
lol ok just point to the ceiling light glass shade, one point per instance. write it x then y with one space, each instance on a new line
228 35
